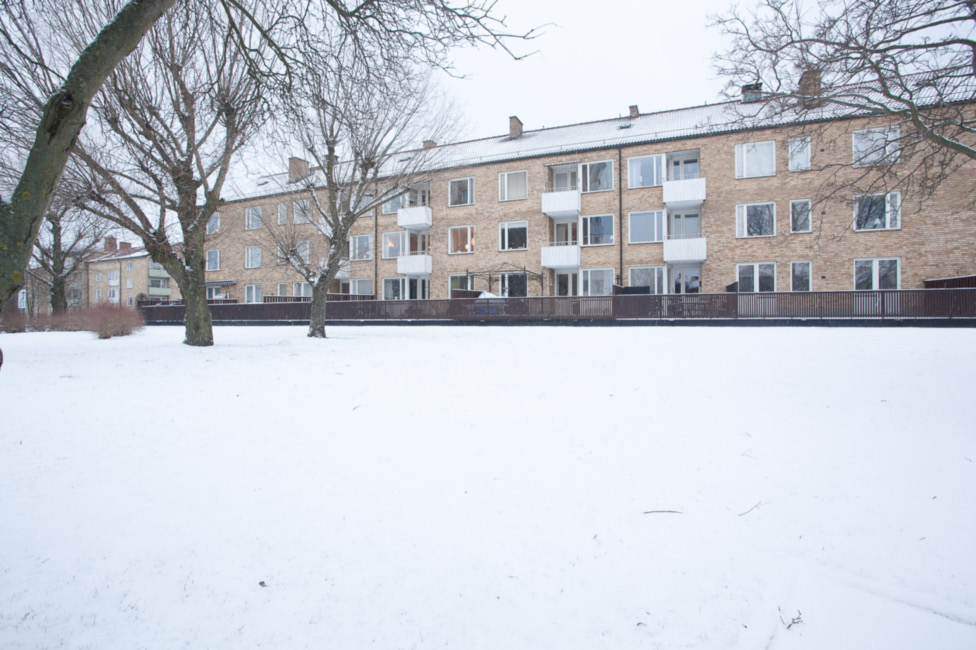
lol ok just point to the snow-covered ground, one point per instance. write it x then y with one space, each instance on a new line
490 488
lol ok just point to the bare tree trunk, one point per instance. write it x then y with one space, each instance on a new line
199 327
63 117
316 323
59 296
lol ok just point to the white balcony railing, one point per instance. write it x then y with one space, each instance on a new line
684 193
684 248
415 264
561 255
343 273
160 291
417 218
562 203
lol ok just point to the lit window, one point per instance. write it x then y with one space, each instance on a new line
394 244
461 192
756 277
877 212
460 239
755 220
513 186
513 235
755 159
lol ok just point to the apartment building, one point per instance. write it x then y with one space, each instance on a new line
125 275
704 199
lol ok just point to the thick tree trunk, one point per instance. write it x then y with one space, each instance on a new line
59 296
316 323
199 327
62 119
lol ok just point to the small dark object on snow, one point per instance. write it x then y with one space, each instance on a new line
262 584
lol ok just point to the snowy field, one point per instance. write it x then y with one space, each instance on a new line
490 488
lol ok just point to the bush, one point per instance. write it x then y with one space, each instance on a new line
106 320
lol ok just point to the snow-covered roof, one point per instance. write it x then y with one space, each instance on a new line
121 254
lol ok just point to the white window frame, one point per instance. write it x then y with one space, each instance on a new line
755 270
303 250
800 153
585 236
876 272
892 211
742 220
886 135
503 229
504 191
252 293
356 285
742 155
584 174
113 278
282 214
282 288
658 174
450 240
450 184
128 301
404 243
809 266
796 202
468 280
658 226
213 224
128 283
252 257
112 295
660 279
213 255
301 289
585 281
252 218
504 280
353 249
98 276
98 294
159 283
128 266
301 212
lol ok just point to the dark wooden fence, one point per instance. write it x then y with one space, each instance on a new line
827 305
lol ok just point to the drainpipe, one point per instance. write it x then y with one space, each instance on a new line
620 211
376 252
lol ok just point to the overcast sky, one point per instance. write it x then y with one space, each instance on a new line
593 62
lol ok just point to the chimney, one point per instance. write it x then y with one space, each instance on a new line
634 111
752 92
514 127
297 169
124 245
810 87
429 144
110 244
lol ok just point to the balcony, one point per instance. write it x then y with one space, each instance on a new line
414 264
417 218
561 255
565 203
157 273
683 194
343 273
160 291
684 249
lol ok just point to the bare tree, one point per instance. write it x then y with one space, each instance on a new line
910 62
355 124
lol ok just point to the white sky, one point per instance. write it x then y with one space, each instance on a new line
591 64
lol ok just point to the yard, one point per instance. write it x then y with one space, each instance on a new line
490 488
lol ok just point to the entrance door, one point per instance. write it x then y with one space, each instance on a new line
418 288
686 278
566 284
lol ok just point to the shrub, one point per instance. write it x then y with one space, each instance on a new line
109 320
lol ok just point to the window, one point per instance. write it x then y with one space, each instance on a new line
303 250
598 230
282 214
461 192
646 227
213 224
405 288
757 277
128 266
800 154
800 215
460 281
215 293
302 212
394 204
159 283
155 266
98 294
113 295
755 220
213 260
460 239
877 212
755 159
252 257
513 235
394 244
685 225
648 276
800 276
252 218
646 171
684 165
98 276
282 288
881 273
876 146
252 293
513 186
361 247
597 282
418 196
514 285
113 278
128 283
563 178
361 287
128 301
301 289
598 176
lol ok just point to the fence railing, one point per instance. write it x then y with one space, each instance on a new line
890 305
